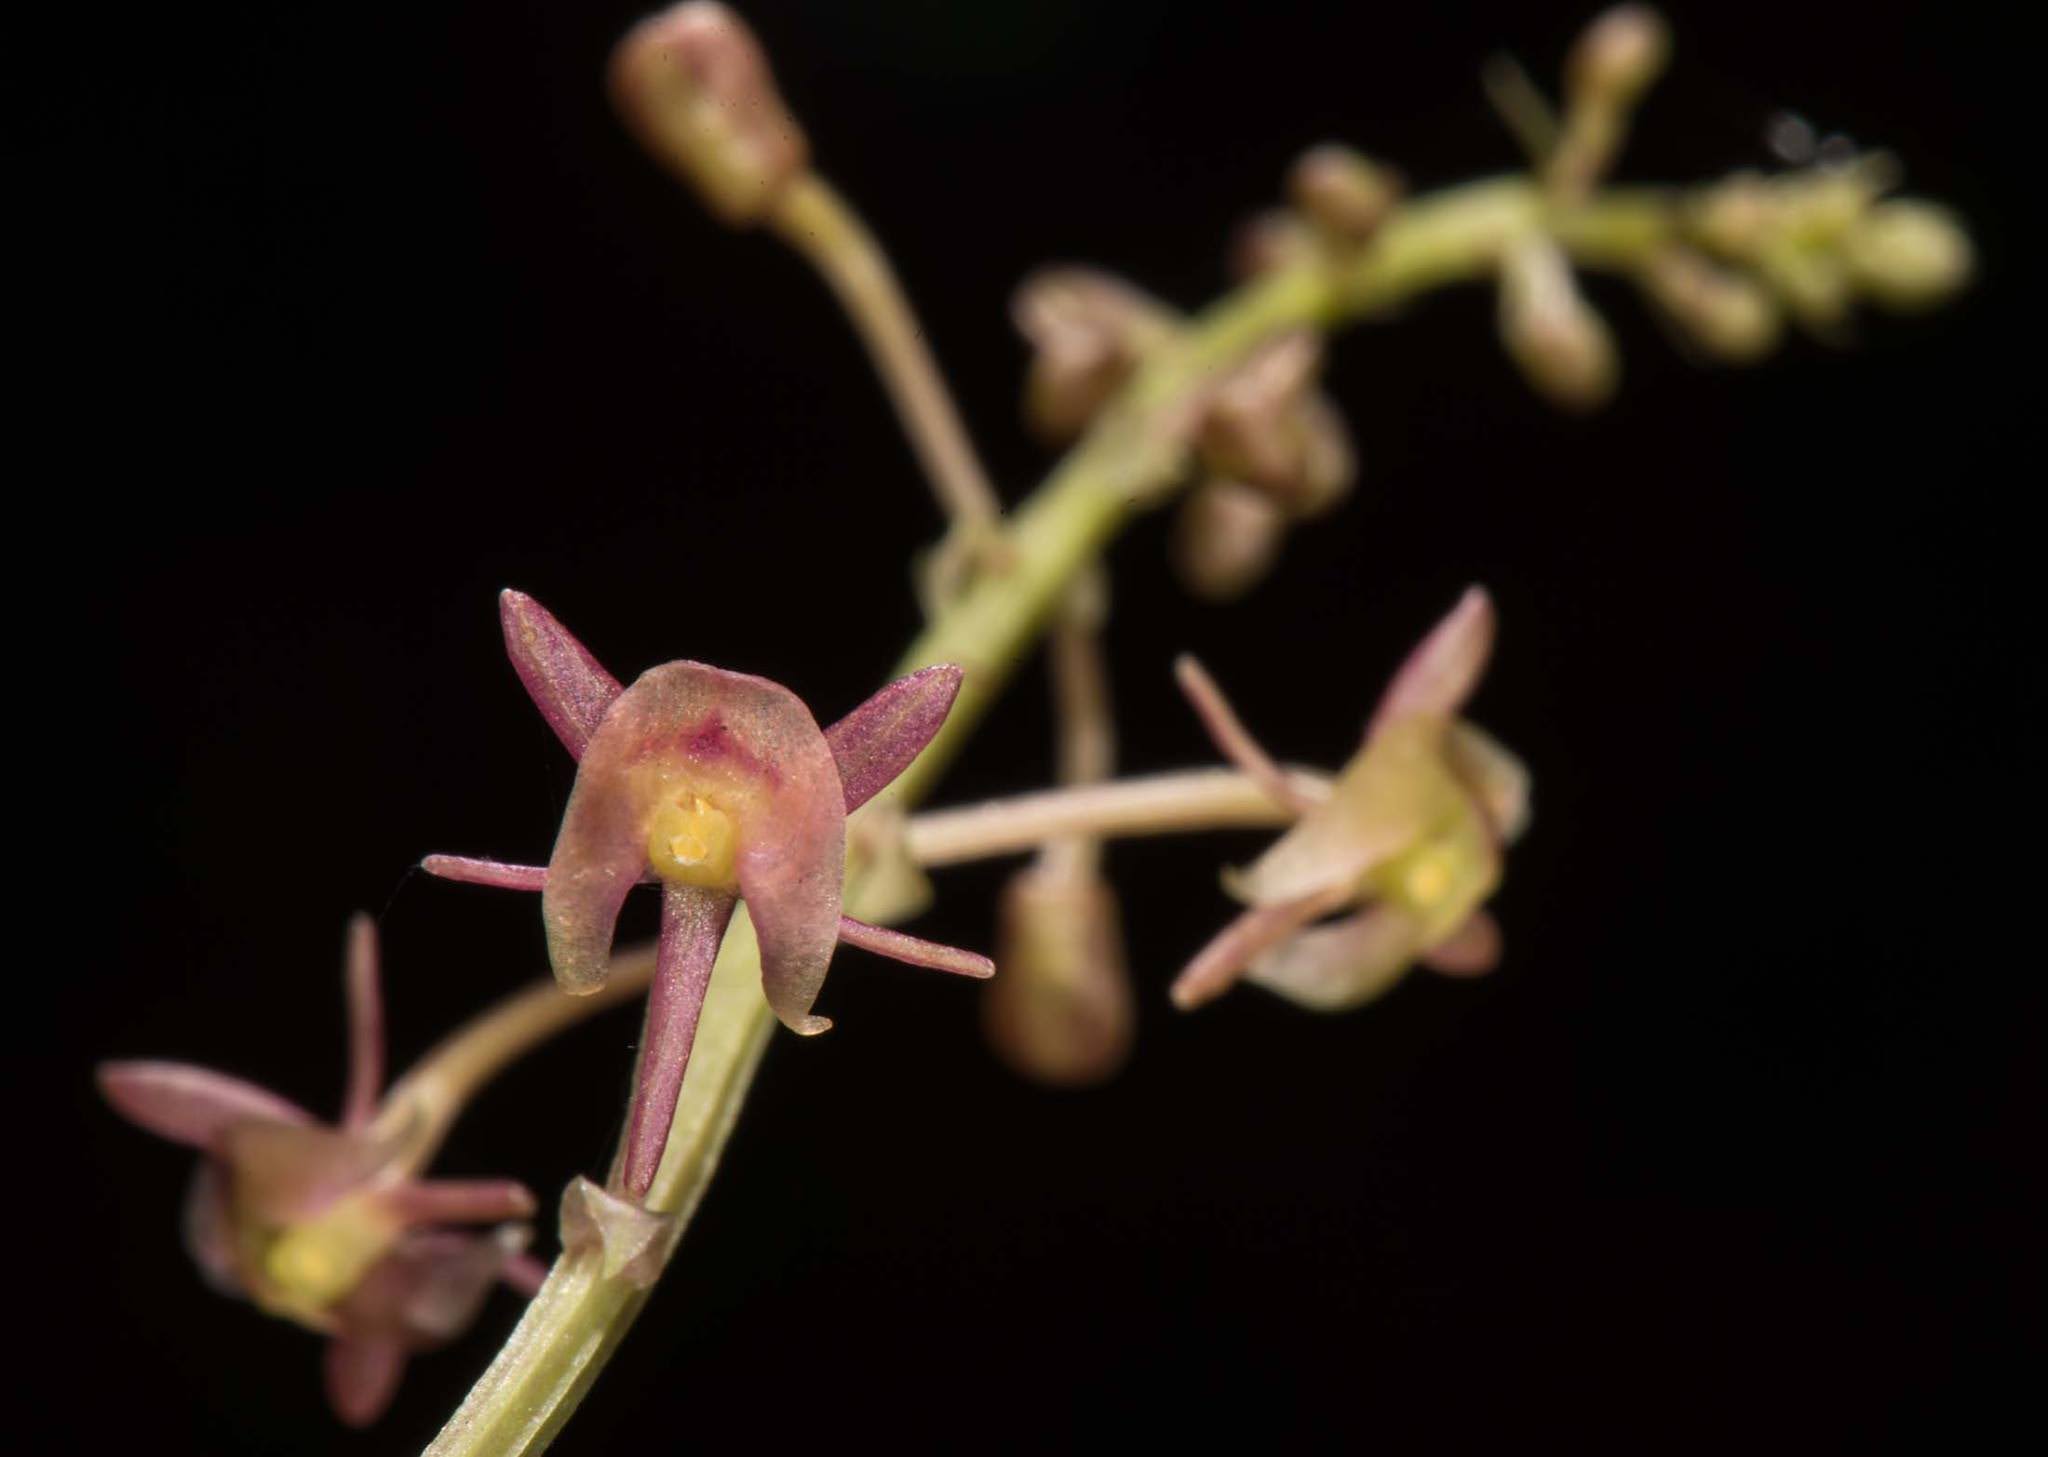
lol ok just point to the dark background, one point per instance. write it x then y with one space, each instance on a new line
368 311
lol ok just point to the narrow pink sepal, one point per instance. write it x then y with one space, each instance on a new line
460 1201
523 1275
1445 667
365 1024
877 741
693 926
915 950
1218 965
497 873
568 685
1472 950
191 1105
362 1375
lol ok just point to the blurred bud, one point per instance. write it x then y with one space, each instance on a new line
1271 241
1617 57
1059 1009
1734 215
1909 254
1549 329
1345 193
1266 426
1226 538
1812 282
693 86
1088 330
1727 315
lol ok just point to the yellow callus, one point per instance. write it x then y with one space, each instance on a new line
310 1266
691 841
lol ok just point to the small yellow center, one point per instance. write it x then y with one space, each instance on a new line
309 1266
1428 880
691 841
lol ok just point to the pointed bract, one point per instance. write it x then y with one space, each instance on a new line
878 740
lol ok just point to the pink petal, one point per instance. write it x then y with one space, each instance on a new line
693 926
1472 950
460 1201
568 685
751 748
1217 966
1331 968
486 872
878 740
914 949
1445 667
190 1105
365 1024
523 1275
284 1173
362 1376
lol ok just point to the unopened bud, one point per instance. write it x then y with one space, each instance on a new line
692 84
1088 330
1734 216
1549 329
1727 315
1059 1009
1812 282
1909 254
1272 241
1248 429
1226 538
1346 194
1617 57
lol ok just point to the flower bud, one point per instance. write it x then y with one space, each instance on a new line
1909 254
1089 331
1266 426
1617 57
1549 329
692 84
1226 538
1059 1010
1726 314
1271 241
1346 194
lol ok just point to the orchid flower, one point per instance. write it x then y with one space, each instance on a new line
329 1225
1409 840
720 787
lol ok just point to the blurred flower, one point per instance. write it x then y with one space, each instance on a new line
720 787
329 1225
1550 331
1061 1011
1408 841
1345 193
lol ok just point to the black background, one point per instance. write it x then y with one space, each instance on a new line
368 311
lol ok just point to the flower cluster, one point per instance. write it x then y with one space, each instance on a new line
1407 843
330 1225
720 788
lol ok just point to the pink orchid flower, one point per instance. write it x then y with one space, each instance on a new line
329 1225
719 787
1409 840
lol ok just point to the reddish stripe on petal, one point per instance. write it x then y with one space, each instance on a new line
878 740
568 685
